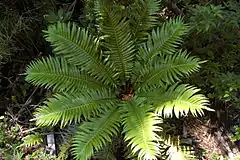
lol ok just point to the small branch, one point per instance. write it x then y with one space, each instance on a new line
8 79
30 97
72 6
172 5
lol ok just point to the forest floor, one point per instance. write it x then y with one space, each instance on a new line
212 136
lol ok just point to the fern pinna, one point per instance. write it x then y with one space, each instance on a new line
126 78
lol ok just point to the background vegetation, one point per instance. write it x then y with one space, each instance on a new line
213 36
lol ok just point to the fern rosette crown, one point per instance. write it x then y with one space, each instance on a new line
123 83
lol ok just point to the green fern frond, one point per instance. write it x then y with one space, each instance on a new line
140 127
67 135
58 74
118 41
106 153
164 40
111 150
178 100
115 89
99 7
143 18
32 140
94 134
166 138
186 100
167 69
69 108
180 153
80 49
64 151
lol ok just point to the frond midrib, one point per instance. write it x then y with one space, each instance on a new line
153 53
83 105
142 127
136 29
119 49
172 67
98 131
189 104
67 77
144 138
91 57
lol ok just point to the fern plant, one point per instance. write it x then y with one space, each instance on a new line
206 18
116 83
32 140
